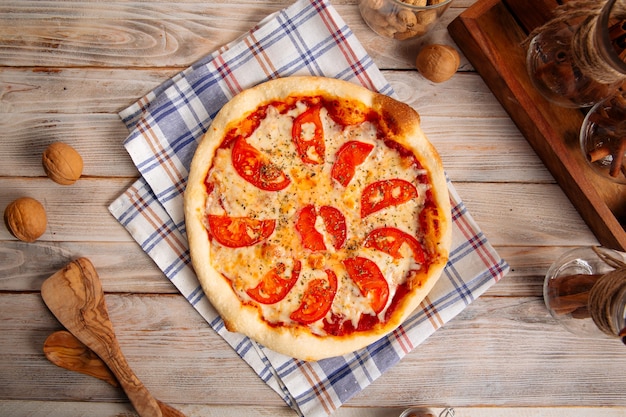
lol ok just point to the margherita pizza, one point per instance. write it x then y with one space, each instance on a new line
317 214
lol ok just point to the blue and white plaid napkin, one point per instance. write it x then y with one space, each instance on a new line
306 38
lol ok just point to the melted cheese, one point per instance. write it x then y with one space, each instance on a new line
311 184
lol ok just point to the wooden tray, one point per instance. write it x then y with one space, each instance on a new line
490 34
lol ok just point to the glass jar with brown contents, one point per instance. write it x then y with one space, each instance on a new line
585 290
577 58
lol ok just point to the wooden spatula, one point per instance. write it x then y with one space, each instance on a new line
74 295
63 349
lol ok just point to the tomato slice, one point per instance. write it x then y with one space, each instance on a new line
371 282
335 224
305 225
274 287
385 193
317 299
237 232
256 168
350 155
311 150
390 240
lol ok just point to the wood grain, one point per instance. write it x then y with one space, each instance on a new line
68 67
461 365
159 34
60 409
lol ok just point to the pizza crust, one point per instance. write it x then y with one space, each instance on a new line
402 124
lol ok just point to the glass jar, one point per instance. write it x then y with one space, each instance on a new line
585 291
427 412
603 138
402 19
577 58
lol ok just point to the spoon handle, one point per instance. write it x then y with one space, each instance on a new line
75 297
143 401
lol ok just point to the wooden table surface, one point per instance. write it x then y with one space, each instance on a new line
67 68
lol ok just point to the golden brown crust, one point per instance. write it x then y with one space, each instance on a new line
398 118
402 123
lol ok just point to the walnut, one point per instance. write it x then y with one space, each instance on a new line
438 63
62 163
426 17
407 18
375 4
26 219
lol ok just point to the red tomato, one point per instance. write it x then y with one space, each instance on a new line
350 155
303 145
305 225
256 168
317 299
237 232
371 282
390 240
274 287
335 224
385 193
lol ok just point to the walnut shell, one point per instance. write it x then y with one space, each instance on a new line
438 63
62 163
26 219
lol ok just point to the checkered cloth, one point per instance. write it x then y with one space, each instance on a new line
306 38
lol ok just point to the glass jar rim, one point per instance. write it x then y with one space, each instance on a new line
418 8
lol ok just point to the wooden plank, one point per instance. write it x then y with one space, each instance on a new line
161 34
509 213
474 135
77 91
92 409
133 34
97 137
181 360
75 213
482 148
85 91
491 39
123 267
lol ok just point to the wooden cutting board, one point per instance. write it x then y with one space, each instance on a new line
490 33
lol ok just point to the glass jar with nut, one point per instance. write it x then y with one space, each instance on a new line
402 19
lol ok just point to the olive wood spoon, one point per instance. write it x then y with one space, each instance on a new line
74 295
63 349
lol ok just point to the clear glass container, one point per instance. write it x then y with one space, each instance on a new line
603 138
402 19
575 60
568 287
427 412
